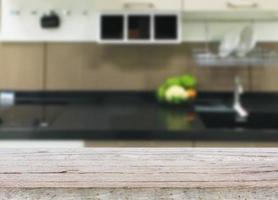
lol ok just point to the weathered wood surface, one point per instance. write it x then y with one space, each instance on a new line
133 173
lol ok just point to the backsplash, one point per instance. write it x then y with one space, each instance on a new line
84 66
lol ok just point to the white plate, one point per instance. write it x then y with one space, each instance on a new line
247 41
230 43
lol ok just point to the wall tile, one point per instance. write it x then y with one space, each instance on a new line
129 67
120 67
21 66
265 78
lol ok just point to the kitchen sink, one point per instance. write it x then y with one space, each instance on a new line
229 120
213 106
221 115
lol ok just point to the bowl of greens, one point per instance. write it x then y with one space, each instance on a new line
178 90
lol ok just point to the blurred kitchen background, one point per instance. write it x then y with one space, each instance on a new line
72 57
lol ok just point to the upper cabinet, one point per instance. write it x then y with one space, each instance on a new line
142 27
48 20
133 21
210 20
148 21
139 4
230 5
139 21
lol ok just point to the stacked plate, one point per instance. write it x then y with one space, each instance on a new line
239 42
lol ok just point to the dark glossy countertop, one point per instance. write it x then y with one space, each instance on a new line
126 116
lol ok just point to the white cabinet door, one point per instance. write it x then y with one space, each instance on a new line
138 4
21 20
230 5
268 4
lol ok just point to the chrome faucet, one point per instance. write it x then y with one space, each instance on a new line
238 91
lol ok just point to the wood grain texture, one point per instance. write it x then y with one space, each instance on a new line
21 66
138 144
264 78
178 144
81 66
234 144
139 194
139 168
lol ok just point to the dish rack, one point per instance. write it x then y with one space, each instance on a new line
205 57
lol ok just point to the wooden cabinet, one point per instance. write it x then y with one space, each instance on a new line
139 4
230 5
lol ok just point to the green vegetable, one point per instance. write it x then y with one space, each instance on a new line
161 93
188 81
176 100
172 81
174 89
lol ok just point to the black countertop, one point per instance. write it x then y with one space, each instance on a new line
126 116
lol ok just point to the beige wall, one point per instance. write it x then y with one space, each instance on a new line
102 67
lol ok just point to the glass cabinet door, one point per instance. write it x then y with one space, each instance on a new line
112 27
139 27
165 27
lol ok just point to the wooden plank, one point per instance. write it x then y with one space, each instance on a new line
138 144
235 144
128 173
139 194
152 168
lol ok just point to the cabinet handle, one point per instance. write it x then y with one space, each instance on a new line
138 5
242 5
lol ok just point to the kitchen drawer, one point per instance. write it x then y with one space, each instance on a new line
139 4
230 5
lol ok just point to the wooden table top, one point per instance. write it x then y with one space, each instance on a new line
138 168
